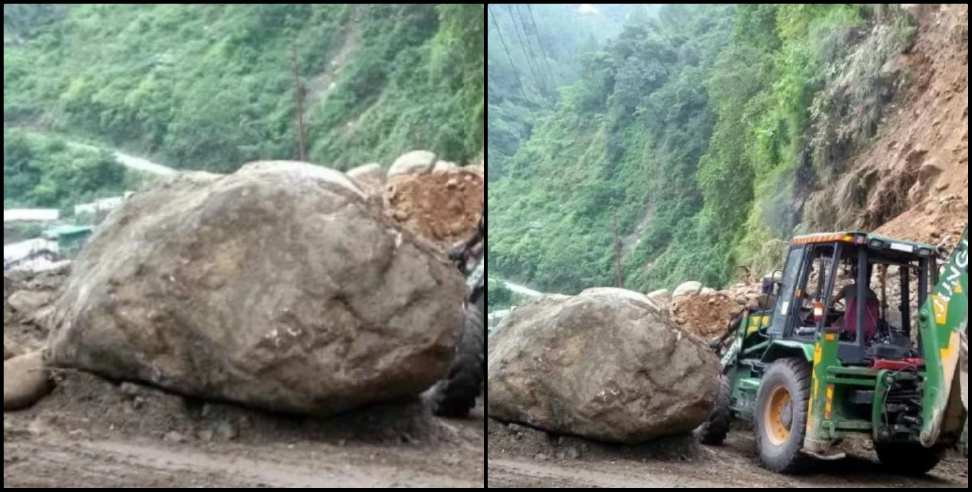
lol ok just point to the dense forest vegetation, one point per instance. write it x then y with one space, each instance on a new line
686 143
213 86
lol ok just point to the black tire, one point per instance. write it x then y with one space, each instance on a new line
456 395
910 459
714 430
780 451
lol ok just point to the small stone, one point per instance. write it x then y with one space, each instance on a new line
173 436
130 390
226 431
26 380
573 453
540 457
205 435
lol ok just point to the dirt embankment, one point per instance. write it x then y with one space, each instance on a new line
914 178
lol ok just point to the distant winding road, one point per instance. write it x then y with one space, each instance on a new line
131 161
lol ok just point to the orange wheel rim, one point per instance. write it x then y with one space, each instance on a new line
778 416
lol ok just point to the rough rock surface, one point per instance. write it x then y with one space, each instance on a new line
414 162
370 177
277 287
687 288
25 380
607 365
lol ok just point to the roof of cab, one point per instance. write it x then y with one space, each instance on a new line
856 237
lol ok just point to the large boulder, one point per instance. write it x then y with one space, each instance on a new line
25 381
607 365
278 287
415 162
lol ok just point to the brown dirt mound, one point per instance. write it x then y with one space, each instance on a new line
443 207
705 315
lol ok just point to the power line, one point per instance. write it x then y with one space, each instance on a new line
536 32
524 47
546 62
499 33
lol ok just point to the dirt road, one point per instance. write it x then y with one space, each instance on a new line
521 460
132 162
94 433
59 460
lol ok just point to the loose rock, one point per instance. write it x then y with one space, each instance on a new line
25 381
27 301
687 288
415 162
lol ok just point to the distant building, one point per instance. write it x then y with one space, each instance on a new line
18 255
69 239
31 215
100 206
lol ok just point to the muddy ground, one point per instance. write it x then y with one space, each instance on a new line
523 457
95 433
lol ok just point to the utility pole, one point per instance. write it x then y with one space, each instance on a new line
618 246
299 93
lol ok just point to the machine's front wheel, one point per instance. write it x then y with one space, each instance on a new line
909 458
780 415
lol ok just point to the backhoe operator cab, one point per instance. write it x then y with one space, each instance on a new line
865 288
856 335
